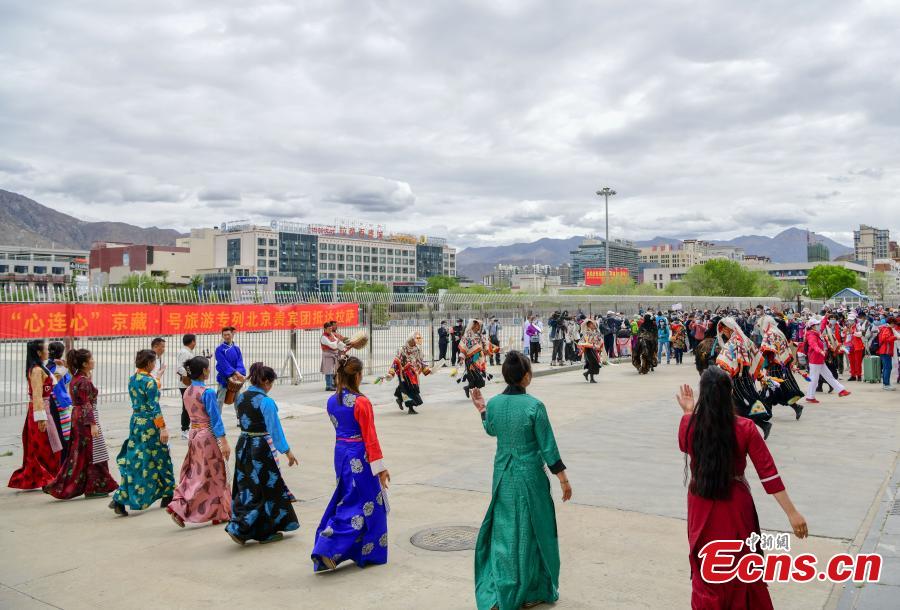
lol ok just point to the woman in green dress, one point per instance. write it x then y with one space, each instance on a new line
517 554
145 465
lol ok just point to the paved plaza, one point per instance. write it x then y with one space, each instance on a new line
622 537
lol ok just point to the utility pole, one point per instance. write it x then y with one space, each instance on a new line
606 192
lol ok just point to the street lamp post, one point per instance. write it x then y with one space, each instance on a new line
606 192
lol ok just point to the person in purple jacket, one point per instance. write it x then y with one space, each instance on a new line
229 361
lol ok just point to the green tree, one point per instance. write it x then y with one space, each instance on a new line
440 282
143 281
826 280
196 282
766 285
721 278
790 290
880 285
357 286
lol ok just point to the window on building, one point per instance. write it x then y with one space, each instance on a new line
273 242
20 269
273 263
4 268
40 269
273 253
261 252
233 252
261 242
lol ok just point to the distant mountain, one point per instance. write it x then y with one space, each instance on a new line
473 263
25 222
786 247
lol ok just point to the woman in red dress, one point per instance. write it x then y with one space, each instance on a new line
720 506
85 470
40 443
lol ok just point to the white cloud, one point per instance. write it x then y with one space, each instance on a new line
489 122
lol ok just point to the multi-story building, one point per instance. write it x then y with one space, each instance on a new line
591 253
112 263
661 277
891 279
689 253
290 255
41 268
870 243
202 244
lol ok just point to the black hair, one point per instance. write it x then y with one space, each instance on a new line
33 358
157 341
228 329
144 358
347 374
188 339
260 374
515 366
713 439
77 358
195 367
56 350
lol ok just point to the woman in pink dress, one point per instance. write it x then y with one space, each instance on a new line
720 505
203 493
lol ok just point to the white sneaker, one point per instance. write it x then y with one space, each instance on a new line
889 388
184 434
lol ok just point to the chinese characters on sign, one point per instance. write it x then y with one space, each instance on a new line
23 321
597 276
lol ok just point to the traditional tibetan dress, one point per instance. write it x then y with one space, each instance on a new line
736 355
407 365
774 367
85 470
145 466
591 346
517 553
260 500
354 526
41 450
203 493
732 518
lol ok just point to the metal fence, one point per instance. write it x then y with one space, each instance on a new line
295 354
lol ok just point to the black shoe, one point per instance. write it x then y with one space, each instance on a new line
164 502
592 379
586 374
400 403
411 410
766 428
798 409
119 508
466 390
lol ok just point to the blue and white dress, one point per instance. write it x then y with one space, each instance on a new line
354 526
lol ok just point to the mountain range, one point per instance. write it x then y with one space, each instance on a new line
25 222
787 246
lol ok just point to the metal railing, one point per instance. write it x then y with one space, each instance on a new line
295 354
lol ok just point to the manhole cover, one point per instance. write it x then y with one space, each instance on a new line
451 538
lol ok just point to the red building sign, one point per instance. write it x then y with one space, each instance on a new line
597 276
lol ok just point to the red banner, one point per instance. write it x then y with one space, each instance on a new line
597 276
27 321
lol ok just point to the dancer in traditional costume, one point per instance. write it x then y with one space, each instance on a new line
591 346
816 350
85 470
645 357
202 493
354 525
834 351
60 399
145 466
261 506
332 347
473 350
407 365
517 552
720 505
705 351
773 367
41 444
736 355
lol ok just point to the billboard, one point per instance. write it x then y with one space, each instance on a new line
596 276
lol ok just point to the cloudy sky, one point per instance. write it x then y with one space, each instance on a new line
487 121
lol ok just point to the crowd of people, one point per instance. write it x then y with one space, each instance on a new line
747 360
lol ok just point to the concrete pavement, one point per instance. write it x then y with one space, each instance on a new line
622 538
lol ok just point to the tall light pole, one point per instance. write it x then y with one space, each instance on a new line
606 192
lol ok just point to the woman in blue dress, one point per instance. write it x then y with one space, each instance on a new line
260 501
354 526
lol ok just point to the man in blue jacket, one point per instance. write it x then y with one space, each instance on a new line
229 362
